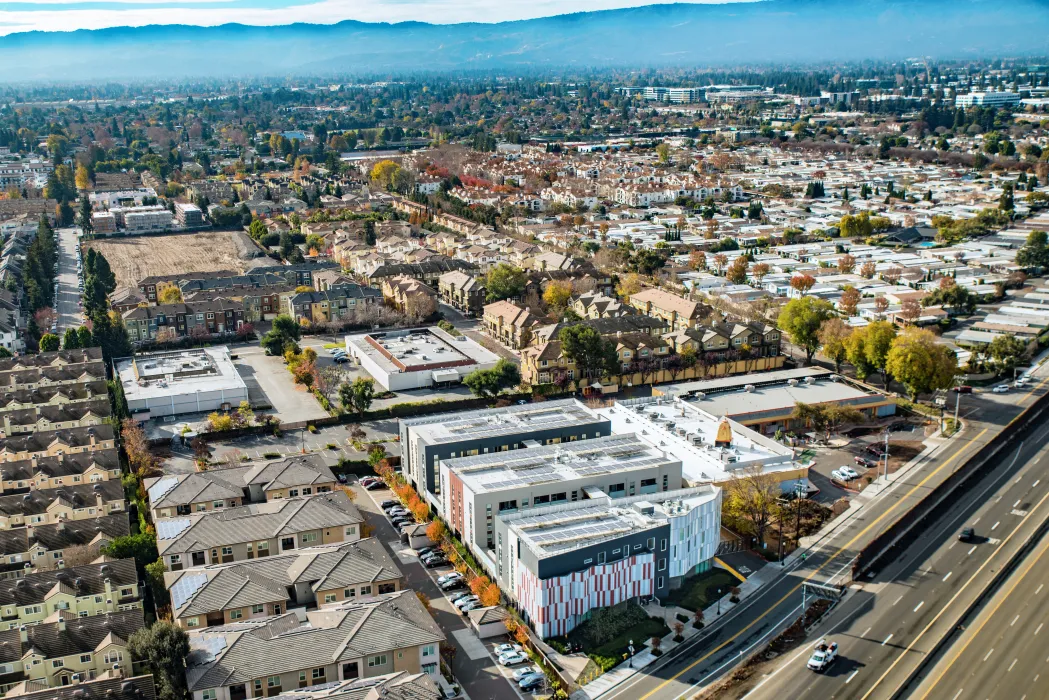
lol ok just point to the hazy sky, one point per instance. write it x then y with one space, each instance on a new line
67 15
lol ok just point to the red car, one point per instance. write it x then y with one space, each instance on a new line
863 462
964 389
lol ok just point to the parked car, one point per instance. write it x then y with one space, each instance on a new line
365 480
339 359
501 649
963 389
849 471
533 682
434 563
374 486
472 605
459 596
512 658
449 577
453 585
389 503
863 462
426 550
463 600
839 475
1001 389
341 478
396 511
526 671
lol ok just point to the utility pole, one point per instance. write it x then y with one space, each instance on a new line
886 454
957 402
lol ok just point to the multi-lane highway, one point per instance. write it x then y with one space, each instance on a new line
886 626
1002 653
752 623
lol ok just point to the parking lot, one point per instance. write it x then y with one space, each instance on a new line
269 382
474 664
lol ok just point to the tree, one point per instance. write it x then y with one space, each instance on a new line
141 547
594 357
850 301
720 260
71 339
920 363
557 294
759 271
84 216
1006 351
753 498
910 310
1035 252
168 293
837 415
877 344
663 153
83 177
952 296
358 396
802 283
504 282
629 285
49 342
846 264
164 647
737 271
436 531
801 319
489 382
284 330
832 336
697 260
84 334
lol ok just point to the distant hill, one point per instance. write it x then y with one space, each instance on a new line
794 31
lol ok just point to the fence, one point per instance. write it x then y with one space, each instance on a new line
902 532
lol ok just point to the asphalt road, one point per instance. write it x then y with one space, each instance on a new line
755 620
886 626
70 314
1002 653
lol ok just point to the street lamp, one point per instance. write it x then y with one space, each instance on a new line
630 650
719 602
799 488
302 436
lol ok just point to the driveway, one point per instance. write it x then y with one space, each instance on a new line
67 291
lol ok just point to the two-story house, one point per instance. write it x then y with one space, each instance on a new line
83 591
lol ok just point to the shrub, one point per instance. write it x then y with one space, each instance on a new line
270 455
332 446
681 617
311 428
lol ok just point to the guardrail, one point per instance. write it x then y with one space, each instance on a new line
902 532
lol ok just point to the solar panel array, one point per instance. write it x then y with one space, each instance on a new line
185 587
169 529
157 490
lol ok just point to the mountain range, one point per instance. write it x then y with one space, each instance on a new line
754 33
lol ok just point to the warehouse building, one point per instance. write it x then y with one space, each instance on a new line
419 358
425 442
182 381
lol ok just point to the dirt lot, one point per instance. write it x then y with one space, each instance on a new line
141 256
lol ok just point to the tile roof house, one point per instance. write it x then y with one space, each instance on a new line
508 323
347 641
62 504
108 685
677 311
392 686
41 547
55 442
224 593
462 291
90 589
257 530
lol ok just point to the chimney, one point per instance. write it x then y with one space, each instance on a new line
23 634
61 623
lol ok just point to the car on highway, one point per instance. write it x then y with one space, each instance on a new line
512 658
1001 389
823 656
967 534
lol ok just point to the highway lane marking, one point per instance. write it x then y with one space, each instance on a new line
971 550
851 676
898 600
993 527
1039 628
989 654
1014 620
1017 502
952 545
1029 564
948 575
918 607
976 521
887 640
874 523
1036 483
1011 666
1040 587
865 632
958 693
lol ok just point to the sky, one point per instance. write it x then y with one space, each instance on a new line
69 15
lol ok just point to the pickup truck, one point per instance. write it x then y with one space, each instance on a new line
823 656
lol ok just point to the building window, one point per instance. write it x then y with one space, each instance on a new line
351 530
662 545
349 593
659 583
86 659
662 565
236 614
387 588
273 682
318 674
379 660
600 557
227 551
190 622
208 694
329 597
366 590
258 609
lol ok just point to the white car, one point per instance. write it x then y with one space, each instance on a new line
512 658
1001 389
455 575
849 471
526 671
1022 381
839 475
507 648
466 599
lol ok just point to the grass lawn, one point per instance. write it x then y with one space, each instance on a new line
640 633
702 589
332 346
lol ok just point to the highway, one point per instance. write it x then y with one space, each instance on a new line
747 626
1003 651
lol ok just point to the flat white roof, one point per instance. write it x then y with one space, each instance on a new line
178 372
419 349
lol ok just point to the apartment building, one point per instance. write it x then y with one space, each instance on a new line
257 530
62 504
359 639
476 490
560 562
427 441
61 470
462 291
60 395
107 685
51 369
45 417
182 494
41 547
417 686
508 323
66 649
167 322
678 313
224 593
147 286
81 591
188 215
53 443
332 304
143 219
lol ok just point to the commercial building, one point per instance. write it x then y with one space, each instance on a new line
103 222
425 442
765 402
188 215
182 381
475 490
140 219
987 99
418 358
559 562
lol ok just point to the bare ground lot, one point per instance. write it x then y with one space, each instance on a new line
135 257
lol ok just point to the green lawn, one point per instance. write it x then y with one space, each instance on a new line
702 589
640 633
332 346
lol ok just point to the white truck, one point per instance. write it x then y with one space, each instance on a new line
823 656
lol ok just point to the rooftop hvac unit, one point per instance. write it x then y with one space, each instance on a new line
810 380
792 382
749 388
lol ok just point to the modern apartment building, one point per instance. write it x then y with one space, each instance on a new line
426 442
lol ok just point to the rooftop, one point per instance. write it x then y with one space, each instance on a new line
183 371
567 461
691 435
493 422
420 349
553 530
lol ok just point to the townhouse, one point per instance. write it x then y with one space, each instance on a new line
223 593
81 591
462 292
66 649
597 305
62 504
166 322
428 272
42 547
54 417
678 312
107 685
408 295
257 530
357 639
59 395
332 304
59 470
49 369
751 338
57 442
508 323
417 686
299 274
197 492
147 286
